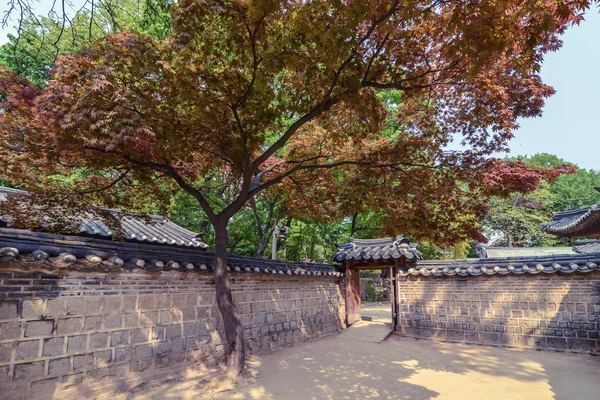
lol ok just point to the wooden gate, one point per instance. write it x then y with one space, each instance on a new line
352 296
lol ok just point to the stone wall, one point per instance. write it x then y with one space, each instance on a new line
535 311
59 329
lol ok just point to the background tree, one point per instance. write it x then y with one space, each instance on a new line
518 218
247 96
41 39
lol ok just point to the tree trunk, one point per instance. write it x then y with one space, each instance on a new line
236 356
262 246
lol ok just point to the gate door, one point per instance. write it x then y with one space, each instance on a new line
352 296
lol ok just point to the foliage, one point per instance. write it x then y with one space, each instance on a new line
42 39
519 218
375 288
459 250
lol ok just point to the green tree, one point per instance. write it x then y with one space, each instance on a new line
519 217
42 39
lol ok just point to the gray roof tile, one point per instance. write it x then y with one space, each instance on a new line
159 230
377 250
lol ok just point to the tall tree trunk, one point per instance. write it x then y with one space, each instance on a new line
262 246
236 356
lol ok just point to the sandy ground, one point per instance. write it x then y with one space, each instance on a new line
340 367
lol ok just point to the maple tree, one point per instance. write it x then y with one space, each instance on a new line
340 105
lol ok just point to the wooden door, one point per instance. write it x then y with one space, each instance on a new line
352 296
394 296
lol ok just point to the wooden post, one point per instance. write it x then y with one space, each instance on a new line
397 264
352 294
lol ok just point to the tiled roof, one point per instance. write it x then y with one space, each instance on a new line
495 252
160 230
587 246
39 250
567 263
580 222
377 250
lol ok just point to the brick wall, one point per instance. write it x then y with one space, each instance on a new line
541 311
57 330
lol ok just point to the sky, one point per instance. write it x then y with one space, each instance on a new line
570 124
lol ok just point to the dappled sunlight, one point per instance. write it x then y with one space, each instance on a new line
339 367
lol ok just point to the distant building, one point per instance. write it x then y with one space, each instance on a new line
581 222
497 252
576 223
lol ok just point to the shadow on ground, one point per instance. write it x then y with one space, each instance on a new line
339 367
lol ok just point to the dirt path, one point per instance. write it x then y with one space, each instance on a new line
401 368
341 367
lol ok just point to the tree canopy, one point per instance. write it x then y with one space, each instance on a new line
518 218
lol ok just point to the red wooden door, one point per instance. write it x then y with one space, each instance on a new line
352 296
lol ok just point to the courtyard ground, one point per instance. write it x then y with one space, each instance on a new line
341 367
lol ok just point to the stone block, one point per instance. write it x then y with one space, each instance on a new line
27 350
202 328
55 308
5 374
202 313
32 309
104 358
98 340
113 321
178 301
132 320
75 306
188 329
59 366
157 333
191 343
76 344
5 352
82 362
161 348
177 345
29 370
556 343
146 302
92 323
53 347
95 305
140 335
38 328
129 304
149 318
188 314
69 326
124 355
10 330
581 344
112 304
173 331
143 351
165 317
162 301
119 338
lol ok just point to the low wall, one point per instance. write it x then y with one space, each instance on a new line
535 311
60 330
